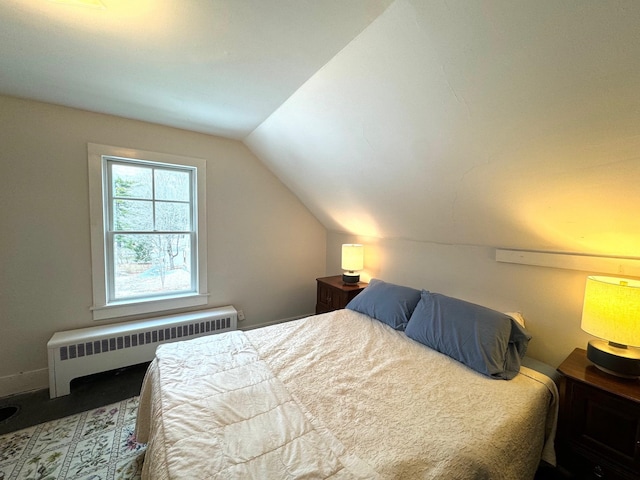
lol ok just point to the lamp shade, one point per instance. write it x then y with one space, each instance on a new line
611 309
352 257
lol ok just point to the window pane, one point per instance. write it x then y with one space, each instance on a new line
172 185
172 216
131 181
132 215
150 265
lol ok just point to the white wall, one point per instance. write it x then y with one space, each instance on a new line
497 123
550 299
264 248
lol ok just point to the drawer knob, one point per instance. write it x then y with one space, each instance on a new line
597 472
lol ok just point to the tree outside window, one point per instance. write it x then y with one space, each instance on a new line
151 229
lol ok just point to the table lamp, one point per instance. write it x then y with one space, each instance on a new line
611 312
352 261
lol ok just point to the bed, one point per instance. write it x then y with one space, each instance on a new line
341 395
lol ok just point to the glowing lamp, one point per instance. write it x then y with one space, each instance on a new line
611 312
352 261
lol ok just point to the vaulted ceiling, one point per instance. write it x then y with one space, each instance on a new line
492 122
211 66
500 123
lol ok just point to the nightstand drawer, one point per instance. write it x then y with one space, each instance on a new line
599 421
593 468
607 424
332 294
329 297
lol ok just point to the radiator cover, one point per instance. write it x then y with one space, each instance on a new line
76 353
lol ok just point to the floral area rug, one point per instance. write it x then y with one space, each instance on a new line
95 445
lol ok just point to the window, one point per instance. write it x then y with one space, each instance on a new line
148 232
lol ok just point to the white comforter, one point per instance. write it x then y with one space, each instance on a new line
338 395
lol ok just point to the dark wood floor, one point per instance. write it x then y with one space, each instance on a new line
86 393
547 472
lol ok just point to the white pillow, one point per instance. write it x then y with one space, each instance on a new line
517 316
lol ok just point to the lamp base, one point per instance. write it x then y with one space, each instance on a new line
350 278
621 362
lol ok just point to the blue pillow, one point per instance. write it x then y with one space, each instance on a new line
488 341
391 304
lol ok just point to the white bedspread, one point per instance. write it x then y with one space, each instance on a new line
337 395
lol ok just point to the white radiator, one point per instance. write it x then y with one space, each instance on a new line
76 353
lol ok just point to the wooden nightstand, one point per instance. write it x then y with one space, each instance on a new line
333 294
599 421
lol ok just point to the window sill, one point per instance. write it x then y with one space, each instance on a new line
160 305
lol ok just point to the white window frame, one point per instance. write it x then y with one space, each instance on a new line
102 308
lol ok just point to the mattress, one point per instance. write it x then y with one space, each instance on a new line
337 395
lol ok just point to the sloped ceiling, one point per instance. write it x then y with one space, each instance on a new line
490 122
500 123
213 66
